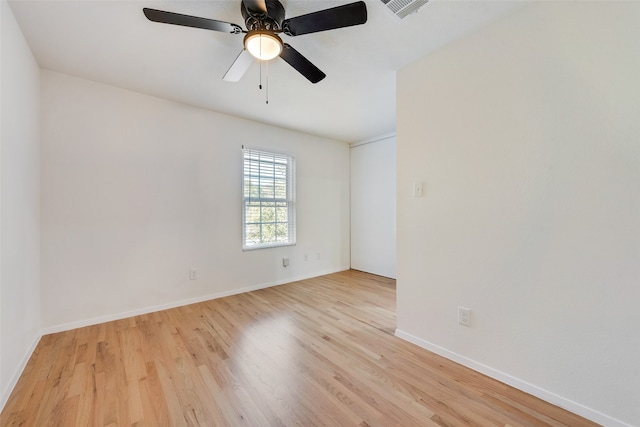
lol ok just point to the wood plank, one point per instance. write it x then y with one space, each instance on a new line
320 351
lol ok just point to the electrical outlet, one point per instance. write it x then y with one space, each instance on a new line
418 189
193 274
285 262
464 316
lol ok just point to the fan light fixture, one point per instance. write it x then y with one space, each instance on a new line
263 45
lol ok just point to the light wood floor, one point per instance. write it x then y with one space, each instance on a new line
311 353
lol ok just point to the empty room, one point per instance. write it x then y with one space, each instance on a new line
319 212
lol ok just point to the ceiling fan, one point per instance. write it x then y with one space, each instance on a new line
265 20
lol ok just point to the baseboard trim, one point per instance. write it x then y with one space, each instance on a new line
18 372
145 310
525 386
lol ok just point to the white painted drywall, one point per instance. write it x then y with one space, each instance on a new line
527 134
137 190
20 201
373 207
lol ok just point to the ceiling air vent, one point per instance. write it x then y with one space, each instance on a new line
403 8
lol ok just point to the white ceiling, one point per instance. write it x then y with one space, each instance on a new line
111 41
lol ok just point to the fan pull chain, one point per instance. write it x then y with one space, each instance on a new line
267 79
260 40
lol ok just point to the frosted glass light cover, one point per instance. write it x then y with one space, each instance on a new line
263 46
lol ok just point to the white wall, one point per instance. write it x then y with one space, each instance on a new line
527 135
373 207
19 196
137 190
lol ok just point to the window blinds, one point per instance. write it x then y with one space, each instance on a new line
268 194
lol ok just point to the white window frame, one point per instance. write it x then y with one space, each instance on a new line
268 189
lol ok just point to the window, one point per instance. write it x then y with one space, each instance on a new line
268 197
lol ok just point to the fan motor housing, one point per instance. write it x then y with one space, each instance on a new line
259 20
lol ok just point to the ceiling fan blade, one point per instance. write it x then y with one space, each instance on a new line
301 64
328 19
239 67
190 21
